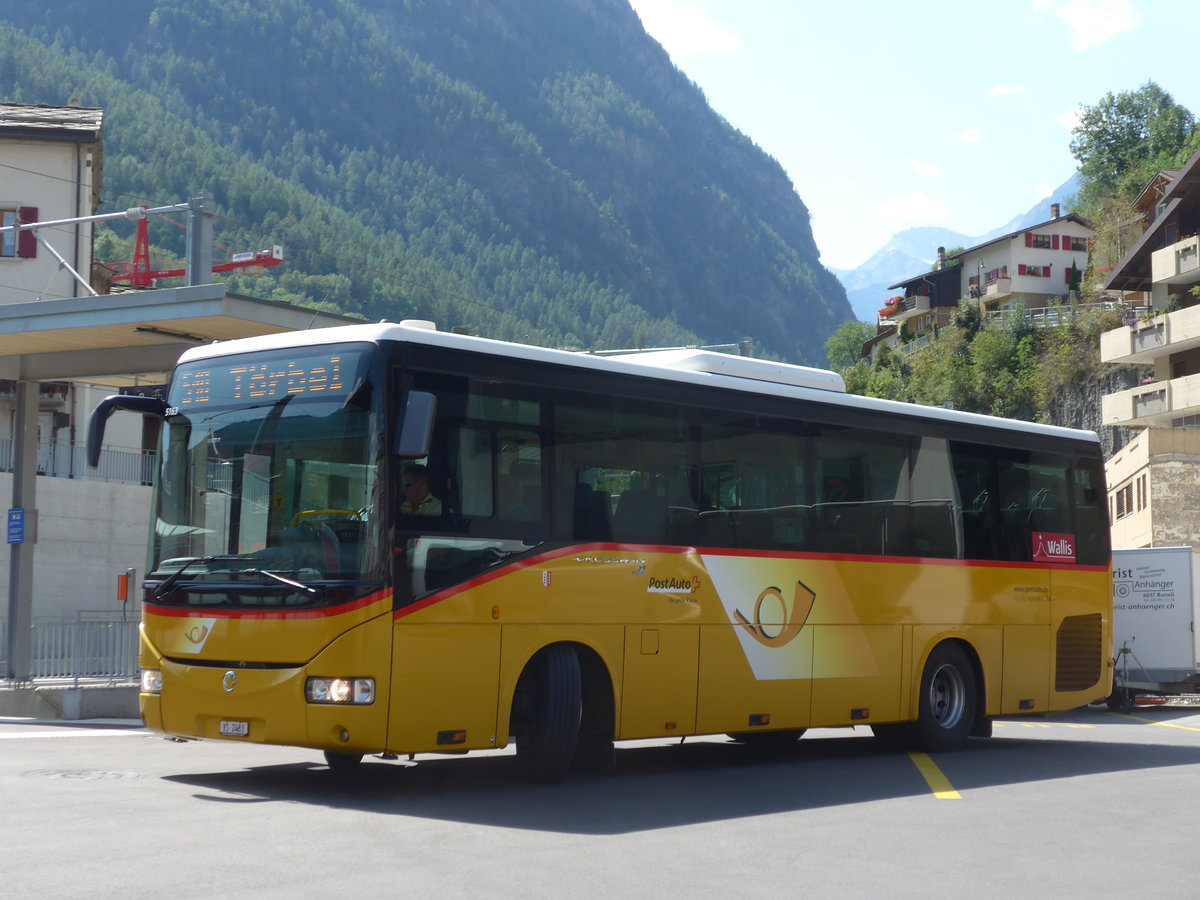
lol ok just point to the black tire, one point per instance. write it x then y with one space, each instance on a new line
342 763
1120 700
546 714
948 700
595 752
768 741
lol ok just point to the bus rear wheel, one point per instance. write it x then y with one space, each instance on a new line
546 714
948 700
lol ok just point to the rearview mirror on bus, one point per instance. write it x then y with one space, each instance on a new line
415 428
148 406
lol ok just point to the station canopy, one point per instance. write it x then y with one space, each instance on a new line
135 337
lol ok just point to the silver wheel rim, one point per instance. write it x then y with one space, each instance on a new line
947 696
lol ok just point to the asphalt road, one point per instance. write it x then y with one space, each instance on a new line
1086 804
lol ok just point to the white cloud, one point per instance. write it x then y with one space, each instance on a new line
1005 90
1041 192
1093 22
970 135
685 30
912 209
924 169
1070 118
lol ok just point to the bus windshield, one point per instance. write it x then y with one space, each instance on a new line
268 479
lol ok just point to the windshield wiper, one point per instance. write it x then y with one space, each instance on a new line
169 586
315 593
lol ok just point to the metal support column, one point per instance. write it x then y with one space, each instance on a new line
18 652
199 239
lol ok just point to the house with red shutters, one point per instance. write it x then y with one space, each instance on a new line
1033 268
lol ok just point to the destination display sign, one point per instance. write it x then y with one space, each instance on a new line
263 379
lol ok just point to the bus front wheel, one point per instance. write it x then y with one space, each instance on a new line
546 713
948 699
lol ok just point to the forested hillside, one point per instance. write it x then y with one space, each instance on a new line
535 169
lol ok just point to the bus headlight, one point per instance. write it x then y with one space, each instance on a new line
359 691
151 681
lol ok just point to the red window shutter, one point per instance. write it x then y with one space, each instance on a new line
1067 241
1066 276
1046 271
26 242
1021 269
1029 239
1054 242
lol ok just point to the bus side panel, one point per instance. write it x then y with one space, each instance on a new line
443 681
730 693
856 671
518 644
1082 643
1026 669
658 687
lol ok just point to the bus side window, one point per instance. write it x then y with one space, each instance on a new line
1091 513
472 484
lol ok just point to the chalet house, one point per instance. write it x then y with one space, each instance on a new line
1154 481
1033 267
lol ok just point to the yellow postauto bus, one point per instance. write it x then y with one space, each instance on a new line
387 539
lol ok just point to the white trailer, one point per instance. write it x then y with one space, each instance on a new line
1156 601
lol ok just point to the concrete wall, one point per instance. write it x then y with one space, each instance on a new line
89 532
56 178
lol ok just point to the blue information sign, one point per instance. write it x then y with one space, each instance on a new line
16 526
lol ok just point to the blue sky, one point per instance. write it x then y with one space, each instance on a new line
889 114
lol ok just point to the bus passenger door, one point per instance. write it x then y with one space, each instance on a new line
658 689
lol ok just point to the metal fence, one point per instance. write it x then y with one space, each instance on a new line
93 644
67 459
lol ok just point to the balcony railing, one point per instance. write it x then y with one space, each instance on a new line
1177 264
66 459
1148 337
1153 404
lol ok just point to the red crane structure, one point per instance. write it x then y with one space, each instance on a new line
139 274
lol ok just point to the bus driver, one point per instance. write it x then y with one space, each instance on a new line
414 485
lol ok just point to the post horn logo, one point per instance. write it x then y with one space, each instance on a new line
784 631
196 634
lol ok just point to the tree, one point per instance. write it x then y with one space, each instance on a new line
844 347
1125 138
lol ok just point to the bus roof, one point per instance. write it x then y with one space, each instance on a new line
689 366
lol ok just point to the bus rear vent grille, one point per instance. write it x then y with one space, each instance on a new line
1078 653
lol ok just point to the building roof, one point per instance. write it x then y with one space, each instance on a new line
1069 217
1133 272
78 123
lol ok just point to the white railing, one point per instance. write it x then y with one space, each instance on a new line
89 646
64 459
1054 316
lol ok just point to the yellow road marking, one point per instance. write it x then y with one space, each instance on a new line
1152 722
938 782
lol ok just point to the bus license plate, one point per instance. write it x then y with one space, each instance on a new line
231 728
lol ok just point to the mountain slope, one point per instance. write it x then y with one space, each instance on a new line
538 157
